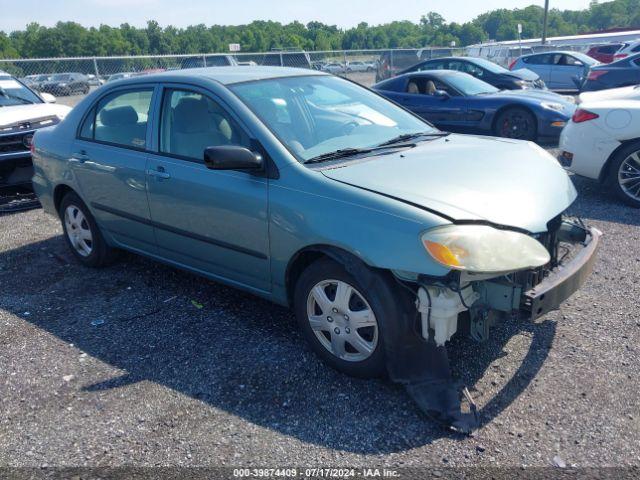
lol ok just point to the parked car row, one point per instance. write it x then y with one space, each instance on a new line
244 174
610 52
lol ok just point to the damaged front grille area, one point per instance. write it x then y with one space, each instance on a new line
16 138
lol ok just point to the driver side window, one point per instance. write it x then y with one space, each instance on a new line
191 122
427 86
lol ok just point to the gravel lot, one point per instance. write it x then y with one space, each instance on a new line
118 367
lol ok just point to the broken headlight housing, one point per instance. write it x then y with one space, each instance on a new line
483 249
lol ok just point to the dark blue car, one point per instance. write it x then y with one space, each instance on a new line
623 73
458 102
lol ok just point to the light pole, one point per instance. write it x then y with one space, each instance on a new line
544 22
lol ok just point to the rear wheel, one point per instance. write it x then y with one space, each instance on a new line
340 318
516 123
624 176
82 235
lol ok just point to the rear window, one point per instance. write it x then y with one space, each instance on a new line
608 49
120 119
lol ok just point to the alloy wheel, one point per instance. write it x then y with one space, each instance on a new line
78 230
342 320
629 176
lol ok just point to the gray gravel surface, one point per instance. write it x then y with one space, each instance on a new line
119 367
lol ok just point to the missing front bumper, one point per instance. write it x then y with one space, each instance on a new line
562 282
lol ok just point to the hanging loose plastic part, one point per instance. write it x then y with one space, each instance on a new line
433 388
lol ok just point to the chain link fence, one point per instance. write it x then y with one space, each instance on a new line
363 66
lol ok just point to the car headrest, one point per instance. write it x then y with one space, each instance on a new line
412 87
119 116
191 115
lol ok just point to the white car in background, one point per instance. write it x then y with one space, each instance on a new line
602 141
627 50
360 66
22 112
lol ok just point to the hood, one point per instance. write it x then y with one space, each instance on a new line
631 93
464 177
523 74
537 94
23 113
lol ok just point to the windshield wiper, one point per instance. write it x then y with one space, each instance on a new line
14 97
349 152
411 136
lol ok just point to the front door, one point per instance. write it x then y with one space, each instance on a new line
209 220
564 71
109 161
424 97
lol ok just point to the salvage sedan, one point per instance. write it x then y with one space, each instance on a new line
383 233
458 102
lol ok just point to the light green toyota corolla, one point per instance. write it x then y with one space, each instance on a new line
385 235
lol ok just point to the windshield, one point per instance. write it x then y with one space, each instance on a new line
315 115
487 65
469 86
13 92
61 77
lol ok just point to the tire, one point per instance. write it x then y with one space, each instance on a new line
364 309
516 123
90 249
624 174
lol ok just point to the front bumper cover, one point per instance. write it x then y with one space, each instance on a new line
563 281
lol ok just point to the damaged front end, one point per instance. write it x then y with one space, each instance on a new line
480 297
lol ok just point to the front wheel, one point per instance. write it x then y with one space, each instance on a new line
624 176
516 123
340 318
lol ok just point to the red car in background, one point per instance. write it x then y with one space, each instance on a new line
605 53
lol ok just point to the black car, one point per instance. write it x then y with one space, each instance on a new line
487 71
208 61
62 84
394 62
622 73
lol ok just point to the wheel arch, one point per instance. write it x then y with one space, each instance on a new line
312 253
605 171
59 193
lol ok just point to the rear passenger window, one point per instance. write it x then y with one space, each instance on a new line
545 59
191 122
120 119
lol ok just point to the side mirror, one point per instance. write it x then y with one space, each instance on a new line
232 157
47 97
441 94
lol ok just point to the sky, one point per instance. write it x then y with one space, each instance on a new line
15 15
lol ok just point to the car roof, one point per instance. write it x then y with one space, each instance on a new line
228 75
552 52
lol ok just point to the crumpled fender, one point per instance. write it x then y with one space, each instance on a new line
418 364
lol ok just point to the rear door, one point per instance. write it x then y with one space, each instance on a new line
212 221
540 64
109 160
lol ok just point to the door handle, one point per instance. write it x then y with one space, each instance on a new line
158 173
80 157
